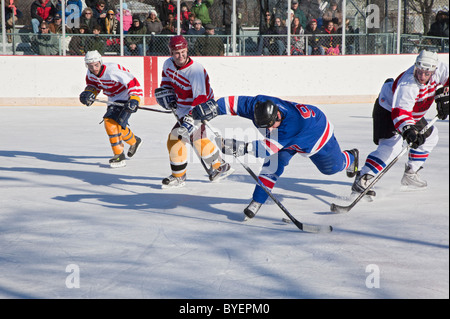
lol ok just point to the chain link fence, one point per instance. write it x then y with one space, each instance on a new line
370 28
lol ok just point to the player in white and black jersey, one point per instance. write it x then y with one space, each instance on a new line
120 86
398 115
185 84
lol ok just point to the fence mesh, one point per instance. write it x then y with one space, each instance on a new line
371 28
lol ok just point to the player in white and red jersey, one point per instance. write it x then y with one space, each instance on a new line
399 115
185 84
120 86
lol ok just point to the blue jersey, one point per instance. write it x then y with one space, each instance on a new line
304 128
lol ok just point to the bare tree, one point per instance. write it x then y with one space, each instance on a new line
423 8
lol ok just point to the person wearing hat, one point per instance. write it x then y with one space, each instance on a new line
135 43
209 45
110 23
299 13
152 23
314 41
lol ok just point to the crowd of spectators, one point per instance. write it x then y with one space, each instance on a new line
314 25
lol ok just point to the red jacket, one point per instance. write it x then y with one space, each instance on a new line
42 11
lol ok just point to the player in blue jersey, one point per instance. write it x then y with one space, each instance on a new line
290 128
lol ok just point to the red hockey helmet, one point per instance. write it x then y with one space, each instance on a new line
177 42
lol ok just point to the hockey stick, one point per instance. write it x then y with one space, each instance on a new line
139 107
345 209
302 226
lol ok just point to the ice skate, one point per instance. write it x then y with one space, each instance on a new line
361 183
118 161
223 171
353 168
251 210
412 181
174 182
134 148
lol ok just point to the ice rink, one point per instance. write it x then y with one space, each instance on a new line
72 227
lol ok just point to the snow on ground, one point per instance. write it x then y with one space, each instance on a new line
66 218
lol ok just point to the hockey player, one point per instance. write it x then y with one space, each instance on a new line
120 86
398 115
290 128
184 84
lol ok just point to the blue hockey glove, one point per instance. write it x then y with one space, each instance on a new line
166 97
206 111
88 96
132 104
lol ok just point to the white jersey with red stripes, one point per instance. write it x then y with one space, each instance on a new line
190 82
116 82
407 99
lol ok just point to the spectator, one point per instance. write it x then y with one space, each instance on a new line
88 19
96 42
298 40
194 33
314 42
99 12
201 10
265 29
349 38
110 23
311 9
78 42
184 21
167 7
152 24
12 15
40 11
171 25
299 13
127 18
278 43
332 14
44 43
192 18
209 44
227 15
440 27
330 43
56 25
135 44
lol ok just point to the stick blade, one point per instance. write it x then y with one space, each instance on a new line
339 209
316 228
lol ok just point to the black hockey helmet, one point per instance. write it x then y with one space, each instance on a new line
266 113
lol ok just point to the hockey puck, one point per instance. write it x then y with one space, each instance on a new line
286 220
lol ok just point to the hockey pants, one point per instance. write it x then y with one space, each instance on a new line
117 135
203 146
389 148
329 160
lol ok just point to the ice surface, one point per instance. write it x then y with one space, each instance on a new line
62 208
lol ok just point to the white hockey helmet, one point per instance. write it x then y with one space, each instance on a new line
93 56
427 61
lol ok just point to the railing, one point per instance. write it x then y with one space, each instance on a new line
25 43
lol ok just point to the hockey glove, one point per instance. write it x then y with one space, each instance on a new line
206 111
132 104
230 146
166 97
88 96
441 99
412 136
187 126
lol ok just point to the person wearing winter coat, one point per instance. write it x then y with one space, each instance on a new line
40 11
201 10
135 44
167 7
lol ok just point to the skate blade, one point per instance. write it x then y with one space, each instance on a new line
224 175
118 165
173 186
367 198
410 188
